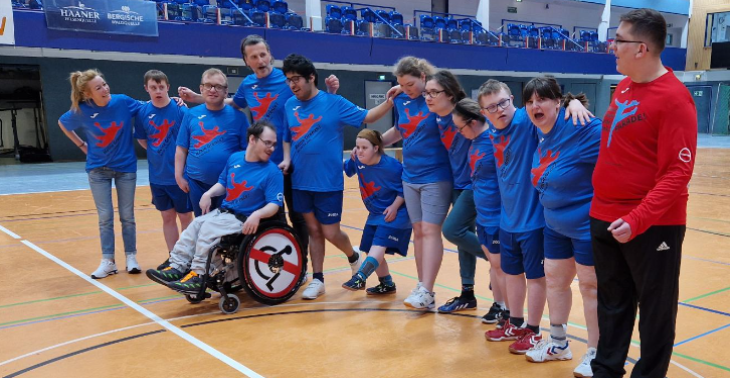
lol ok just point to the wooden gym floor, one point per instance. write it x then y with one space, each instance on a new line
55 322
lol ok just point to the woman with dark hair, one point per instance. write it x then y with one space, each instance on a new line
561 172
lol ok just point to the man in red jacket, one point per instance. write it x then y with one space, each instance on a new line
639 209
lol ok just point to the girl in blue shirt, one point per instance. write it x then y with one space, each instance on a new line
387 229
106 119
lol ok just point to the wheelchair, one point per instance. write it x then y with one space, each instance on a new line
269 265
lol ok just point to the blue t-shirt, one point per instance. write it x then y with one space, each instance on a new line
266 99
250 186
425 160
159 127
513 149
108 132
562 168
458 148
484 181
380 184
211 136
316 132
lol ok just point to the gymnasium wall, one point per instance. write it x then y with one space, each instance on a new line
698 56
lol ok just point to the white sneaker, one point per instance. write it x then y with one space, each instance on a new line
410 296
106 268
132 265
547 350
314 289
356 265
584 369
422 299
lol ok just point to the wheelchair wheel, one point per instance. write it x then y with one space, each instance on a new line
194 299
271 264
229 304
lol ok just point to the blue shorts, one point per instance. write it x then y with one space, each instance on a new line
166 197
489 237
197 189
395 240
327 206
523 252
561 247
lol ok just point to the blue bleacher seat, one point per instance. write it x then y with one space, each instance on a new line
401 29
294 21
464 35
439 22
513 31
533 35
565 33
396 18
258 18
454 36
262 5
383 14
349 13
524 33
226 16
585 36
363 27
201 3
427 21
277 20
381 30
481 38
428 32
210 14
181 2
224 4
35 4
368 15
465 25
412 32
349 27
280 7
334 11
333 25
189 12
174 12
246 5
451 23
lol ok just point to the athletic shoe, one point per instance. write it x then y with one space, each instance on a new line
503 319
164 264
506 333
423 299
190 284
165 276
547 350
584 369
354 284
355 266
412 294
458 304
493 315
528 341
314 289
132 265
107 267
381 288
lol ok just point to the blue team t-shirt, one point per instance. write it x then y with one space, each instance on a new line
485 185
458 148
266 98
211 136
250 186
380 184
159 127
108 132
513 149
425 160
316 132
562 167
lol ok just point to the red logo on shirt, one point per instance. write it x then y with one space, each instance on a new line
304 125
448 137
108 134
474 158
264 104
545 161
367 188
162 130
207 137
238 188
499 148
410 127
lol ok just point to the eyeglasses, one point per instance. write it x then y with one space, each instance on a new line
620 41
267 143
294 79
466 123
502 104
432 94
218 87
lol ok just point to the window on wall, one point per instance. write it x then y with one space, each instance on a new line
717 28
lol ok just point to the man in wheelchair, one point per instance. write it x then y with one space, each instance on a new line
253 188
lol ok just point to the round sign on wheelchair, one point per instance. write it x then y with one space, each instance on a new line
272 264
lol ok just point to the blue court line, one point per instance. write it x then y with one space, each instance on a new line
705 309
702 335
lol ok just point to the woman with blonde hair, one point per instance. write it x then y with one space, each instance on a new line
106 120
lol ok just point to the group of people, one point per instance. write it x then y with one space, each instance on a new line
539 195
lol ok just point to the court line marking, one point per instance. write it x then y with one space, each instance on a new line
701 335
11 233
152 316
706 295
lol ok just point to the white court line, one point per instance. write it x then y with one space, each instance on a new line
162 322
11 233
686 369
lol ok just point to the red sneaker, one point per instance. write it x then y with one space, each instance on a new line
526 342
508 332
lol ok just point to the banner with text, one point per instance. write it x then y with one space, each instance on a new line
7 28
136 17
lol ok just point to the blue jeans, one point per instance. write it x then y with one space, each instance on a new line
100 181
459 228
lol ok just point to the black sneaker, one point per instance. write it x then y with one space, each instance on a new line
503 318
164 264
493 315
381 288
354 284
458 304
190 284
165 276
